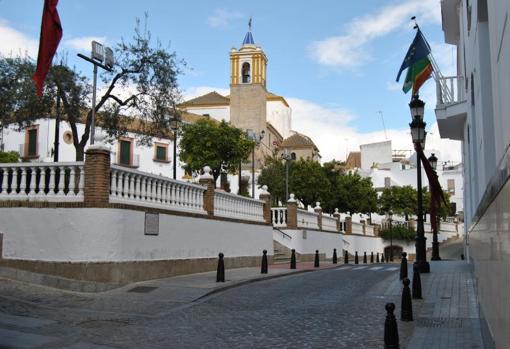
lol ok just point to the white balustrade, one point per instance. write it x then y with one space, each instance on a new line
369 230
329 223
134 187
279 216
307 219
56 182
357 228
238 207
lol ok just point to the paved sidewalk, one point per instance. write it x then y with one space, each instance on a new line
447 316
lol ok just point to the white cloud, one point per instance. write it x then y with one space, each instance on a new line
15 42
350 50
393 86
333 132
222 18
84 43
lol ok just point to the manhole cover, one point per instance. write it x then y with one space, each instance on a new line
142 289
439 322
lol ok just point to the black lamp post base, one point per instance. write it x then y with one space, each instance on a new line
423 266
435 252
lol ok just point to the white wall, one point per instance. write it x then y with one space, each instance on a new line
307 241
375 153
99 234
280 116
219 113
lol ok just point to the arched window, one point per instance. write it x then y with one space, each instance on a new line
246 73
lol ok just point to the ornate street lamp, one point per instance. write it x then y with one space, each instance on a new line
435 243
287 157
418 134
390 220
174 126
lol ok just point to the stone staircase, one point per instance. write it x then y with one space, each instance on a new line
281 253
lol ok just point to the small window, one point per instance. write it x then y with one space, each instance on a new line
451 186
31 140
246 73
387 182
125 152
68 137
161 152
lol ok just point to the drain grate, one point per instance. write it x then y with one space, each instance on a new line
142 289
437 322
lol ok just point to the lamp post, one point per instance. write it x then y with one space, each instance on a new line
435 243
390 220
418 134
256 138
100 57
174 126
287 157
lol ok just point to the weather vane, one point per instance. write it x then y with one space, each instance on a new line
249 24
413 18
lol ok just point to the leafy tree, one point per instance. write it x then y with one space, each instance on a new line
398 233
400 200
308 181
141 88
443 211
217 145
355 194
273 175
8 156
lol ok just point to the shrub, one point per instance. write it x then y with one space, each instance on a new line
8 156
399 233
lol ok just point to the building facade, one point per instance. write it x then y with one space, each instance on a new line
473 107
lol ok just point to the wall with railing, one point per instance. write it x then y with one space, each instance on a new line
231 205
450 90
52 182
138 188
307 220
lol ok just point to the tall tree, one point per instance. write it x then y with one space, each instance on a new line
400 200
356 194
141 88
308 182
273 175
217 145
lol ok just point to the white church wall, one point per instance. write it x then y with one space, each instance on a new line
219 113
100 234
280 116
375 153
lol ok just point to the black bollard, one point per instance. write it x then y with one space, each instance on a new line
382 257
263 266
293 259
371 257
346 257
377 258
403 266
220 273
462 256
316 261
335 258
406 313
390 328
356 261
364 258
416 283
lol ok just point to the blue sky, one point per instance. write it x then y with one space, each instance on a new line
334 60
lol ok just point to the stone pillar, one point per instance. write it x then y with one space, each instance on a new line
207 180
348 225
292 212
337 216
412 224
266 197
97 175
318 210
363 226
377 229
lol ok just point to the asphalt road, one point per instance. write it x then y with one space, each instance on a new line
335 308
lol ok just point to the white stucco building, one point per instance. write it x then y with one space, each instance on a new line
473 108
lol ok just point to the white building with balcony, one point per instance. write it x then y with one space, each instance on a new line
473 107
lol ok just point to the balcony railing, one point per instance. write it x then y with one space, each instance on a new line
237 206
450 90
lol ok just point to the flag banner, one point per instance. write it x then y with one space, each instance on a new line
418 65
51 33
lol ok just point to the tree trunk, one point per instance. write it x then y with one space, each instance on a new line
80 152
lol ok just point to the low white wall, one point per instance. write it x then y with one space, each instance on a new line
307 241
101 234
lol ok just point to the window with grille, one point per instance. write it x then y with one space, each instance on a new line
125 152
32 142
161 153
451 186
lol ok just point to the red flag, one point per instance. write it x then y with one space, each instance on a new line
51 33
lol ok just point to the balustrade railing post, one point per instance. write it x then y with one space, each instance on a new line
266 197
208 181
348 225
97 175
292 212
318 209
337 217
5 185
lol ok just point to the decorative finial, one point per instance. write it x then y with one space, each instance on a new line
249 24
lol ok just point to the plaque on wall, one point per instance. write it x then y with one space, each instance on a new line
151 223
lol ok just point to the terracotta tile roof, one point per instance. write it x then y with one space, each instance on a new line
353 160
211 98
298 140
